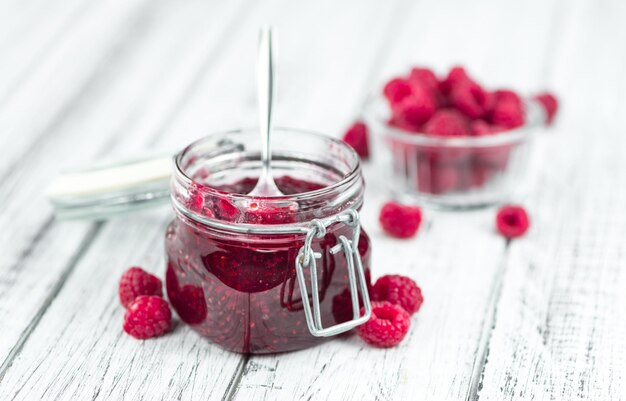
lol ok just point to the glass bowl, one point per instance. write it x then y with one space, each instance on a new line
453 172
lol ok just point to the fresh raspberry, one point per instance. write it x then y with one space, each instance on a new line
508 110
387 327
447 122
399 290
456 76
506 95
512 221
400 221
397 89
149 316
424 77
415 109
470 99
550 105
357 137
135 282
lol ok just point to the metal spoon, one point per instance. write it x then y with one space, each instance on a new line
265 186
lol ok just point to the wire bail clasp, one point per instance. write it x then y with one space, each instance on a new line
306 258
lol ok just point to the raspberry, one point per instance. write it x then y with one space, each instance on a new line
399 290
512 221
424 77
447 122
415 109
135 282
550 105
397 89
508 110
387 327
149 316
400 221
470 99
356 137
507 95
456 76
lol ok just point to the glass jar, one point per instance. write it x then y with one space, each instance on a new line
239 267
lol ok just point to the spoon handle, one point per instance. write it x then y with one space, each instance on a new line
265 82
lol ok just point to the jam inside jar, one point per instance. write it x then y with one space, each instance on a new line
231 258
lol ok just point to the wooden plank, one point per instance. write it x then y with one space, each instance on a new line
28 34
143 87
45 97
559 328
455 258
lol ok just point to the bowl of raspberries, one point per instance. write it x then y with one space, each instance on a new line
452 142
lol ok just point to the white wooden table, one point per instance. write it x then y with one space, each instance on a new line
539 318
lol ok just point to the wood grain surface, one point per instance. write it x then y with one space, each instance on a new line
537 318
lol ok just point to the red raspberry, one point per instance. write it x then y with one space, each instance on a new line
387 327
470 99
550 105
135 282
507 95
447 122
507 114
357 137
399 290
415 109
508 110
397 89
425 78
512 221
149 316
400 221
456 76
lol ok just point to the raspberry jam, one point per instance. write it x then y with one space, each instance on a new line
231 258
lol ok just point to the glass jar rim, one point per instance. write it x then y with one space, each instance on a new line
351 175
375 106
351 178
